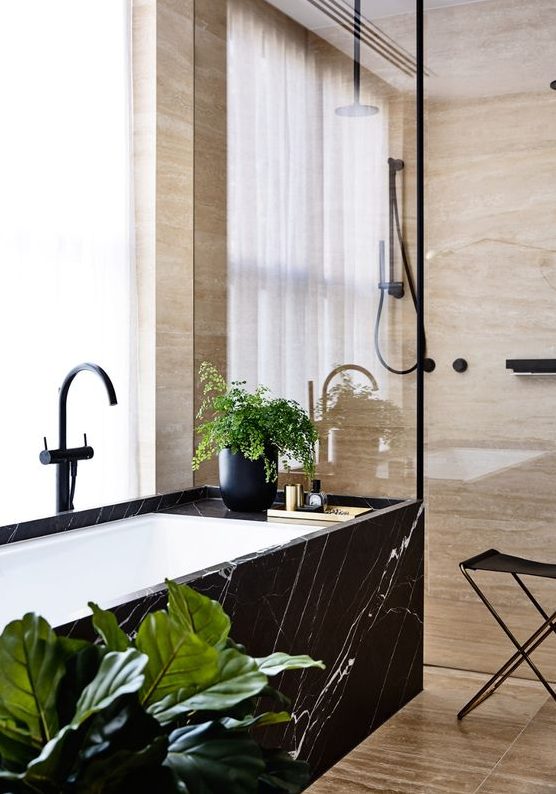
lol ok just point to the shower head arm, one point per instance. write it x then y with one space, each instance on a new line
356 108
357 52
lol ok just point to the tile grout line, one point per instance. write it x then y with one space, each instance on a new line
507 750
482 672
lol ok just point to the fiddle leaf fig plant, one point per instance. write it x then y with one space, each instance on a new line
174 710
252 423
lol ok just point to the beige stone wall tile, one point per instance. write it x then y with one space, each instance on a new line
174 245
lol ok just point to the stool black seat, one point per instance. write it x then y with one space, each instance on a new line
494 561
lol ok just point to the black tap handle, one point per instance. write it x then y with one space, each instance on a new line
45 443
48 456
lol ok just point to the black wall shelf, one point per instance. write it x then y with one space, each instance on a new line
532 366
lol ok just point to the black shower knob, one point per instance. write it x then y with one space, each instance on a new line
460 365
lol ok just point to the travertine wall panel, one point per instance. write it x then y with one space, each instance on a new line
144 166
491 198
211 262
174 244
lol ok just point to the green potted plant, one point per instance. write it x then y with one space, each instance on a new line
174 710
251 433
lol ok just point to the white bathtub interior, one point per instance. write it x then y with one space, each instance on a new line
57 575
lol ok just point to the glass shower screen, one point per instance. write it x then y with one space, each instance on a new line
305 221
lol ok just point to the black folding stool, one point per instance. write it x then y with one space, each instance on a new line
493 560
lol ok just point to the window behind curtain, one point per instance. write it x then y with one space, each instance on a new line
307 205
66 252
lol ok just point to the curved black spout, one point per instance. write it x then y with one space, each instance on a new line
63 499
64 389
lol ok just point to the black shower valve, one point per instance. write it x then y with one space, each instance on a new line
460 365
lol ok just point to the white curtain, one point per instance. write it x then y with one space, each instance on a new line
307 206
66 250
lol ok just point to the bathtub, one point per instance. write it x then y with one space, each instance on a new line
57 575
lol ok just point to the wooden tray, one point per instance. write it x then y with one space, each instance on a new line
332 513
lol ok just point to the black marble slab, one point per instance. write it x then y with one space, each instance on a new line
210 505
350 594
176 501
79 519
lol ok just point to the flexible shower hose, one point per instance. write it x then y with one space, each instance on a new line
411 283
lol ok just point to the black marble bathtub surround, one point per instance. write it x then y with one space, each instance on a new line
79 519
350 594
159 503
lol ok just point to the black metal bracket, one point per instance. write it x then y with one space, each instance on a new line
393 288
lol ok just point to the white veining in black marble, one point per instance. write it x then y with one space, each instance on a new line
351 594
79 519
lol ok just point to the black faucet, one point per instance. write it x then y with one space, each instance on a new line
67 459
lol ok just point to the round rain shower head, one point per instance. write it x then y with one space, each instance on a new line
356 110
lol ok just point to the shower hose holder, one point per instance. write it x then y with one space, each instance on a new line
393 288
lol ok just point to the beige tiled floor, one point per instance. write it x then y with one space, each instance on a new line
505 746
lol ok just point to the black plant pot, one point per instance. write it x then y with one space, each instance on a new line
243 484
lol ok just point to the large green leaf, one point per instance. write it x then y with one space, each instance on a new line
283 773
50 769
101 752
277 696
124 725
122 742
197 614
17 747
119 674
177 660
278 662
72 645
112 773
106 626
108 720
12 783
81 668
208 760
32 662
237 679
260 721
153 779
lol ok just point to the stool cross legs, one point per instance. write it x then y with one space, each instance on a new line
493 560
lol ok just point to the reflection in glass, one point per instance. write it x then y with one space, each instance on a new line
308 213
